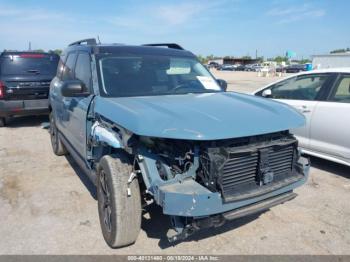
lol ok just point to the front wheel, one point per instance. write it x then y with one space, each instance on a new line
119 213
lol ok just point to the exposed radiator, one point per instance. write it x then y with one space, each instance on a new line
247 171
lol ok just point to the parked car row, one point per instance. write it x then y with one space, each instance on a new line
239 67
227 67
294 68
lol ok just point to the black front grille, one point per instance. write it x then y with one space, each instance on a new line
253 168
244 171
281 161
239 170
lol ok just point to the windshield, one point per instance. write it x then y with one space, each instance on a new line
149 75
29 64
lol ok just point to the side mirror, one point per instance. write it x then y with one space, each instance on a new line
267 93
222 83
73 88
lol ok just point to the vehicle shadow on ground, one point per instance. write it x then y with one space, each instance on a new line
83 177
331 167
26 121
157 225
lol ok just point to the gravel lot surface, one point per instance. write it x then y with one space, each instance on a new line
245 82
48 206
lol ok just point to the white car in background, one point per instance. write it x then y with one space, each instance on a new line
323 97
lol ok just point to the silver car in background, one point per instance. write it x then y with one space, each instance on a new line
323 97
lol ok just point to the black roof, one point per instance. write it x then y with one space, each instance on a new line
153 49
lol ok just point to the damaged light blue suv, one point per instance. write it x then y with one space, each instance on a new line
151 124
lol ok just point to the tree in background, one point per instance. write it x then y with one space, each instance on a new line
304 61
56 51
202 59
280 59
261 59
343 50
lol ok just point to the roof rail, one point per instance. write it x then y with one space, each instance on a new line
169 45
88 41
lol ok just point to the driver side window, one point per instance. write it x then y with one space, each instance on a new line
303 87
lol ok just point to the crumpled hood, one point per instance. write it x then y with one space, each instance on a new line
208 116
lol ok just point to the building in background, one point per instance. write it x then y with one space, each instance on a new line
331 60
218 61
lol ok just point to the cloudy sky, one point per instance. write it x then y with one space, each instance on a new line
220 27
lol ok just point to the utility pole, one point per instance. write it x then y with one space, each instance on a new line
256 54
30 46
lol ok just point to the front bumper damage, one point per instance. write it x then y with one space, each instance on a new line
184 199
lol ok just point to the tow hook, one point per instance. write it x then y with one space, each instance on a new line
131 178
174 236
181 229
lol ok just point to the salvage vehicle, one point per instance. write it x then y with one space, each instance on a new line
323 96
151 124
24 83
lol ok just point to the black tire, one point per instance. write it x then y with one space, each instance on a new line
120 214
56 143
2 122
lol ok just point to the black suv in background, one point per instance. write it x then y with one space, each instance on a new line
24 83
295 68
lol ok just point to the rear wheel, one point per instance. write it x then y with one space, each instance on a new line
120 213
2 122
56 143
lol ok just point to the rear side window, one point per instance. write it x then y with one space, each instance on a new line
342 92
83 69
29 64
60 66
304 87
68 71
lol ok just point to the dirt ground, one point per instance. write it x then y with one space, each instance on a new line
48 206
